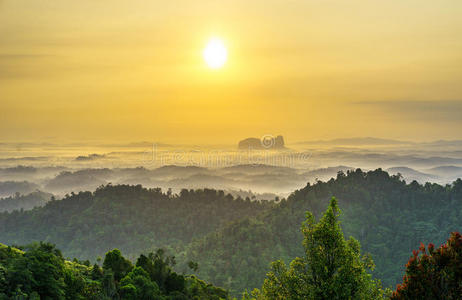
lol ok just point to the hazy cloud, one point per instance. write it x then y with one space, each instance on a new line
438 110
26 158
9 57
14 66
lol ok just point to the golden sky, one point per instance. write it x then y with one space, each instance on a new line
133 70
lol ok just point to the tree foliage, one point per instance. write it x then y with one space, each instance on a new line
39 271
131 218
388 216
332 267
234 240
433 273
25 202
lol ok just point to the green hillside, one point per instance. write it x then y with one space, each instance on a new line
234 240
389 217
131 218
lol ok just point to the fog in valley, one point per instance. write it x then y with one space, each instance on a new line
263 173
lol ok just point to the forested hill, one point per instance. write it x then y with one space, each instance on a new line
29 201
389 217
131 218
234 240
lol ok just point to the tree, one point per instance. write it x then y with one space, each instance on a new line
331 269
117 263
96 272
138 285
108 285
40 272
158 266
194 266
433 273
41 269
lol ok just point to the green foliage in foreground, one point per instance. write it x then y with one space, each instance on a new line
40 272
332 268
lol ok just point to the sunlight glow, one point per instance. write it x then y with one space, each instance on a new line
215 53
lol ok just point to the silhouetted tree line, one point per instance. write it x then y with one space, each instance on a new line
24 202
131 218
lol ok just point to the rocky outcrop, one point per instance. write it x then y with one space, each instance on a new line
266 142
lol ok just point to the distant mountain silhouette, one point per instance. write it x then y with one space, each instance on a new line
410 174
266 142
9 188
447 170
89 157
356 141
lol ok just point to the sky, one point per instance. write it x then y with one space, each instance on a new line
113 70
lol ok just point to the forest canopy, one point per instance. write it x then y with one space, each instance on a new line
234 240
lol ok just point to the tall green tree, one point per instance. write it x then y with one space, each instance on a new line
118 264
332 268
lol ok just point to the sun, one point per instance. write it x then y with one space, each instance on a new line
215 53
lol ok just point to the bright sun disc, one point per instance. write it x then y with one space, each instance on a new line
215 54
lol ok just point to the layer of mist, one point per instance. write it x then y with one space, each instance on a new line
254 173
